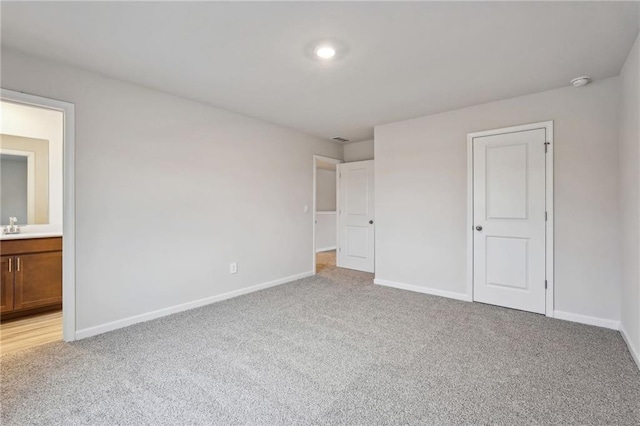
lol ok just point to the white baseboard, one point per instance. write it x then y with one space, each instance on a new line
585 319
424 290
326 249
125 322
635 354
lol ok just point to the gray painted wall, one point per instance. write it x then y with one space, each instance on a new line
358 151
13 188
170 191
326 190
421 194
630 196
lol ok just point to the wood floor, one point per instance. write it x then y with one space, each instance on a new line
19 334
325 259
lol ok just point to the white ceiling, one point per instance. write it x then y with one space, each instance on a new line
400 60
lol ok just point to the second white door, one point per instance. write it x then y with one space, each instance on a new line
509 219
356 226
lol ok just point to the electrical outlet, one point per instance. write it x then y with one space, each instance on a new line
233 268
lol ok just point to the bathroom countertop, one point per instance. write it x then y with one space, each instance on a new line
34 231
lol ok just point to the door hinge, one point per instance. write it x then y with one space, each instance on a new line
546 216
545 284
546 146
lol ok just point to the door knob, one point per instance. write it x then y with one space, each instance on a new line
478 228
370 222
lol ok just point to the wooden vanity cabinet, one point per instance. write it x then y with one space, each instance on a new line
31 275
6 284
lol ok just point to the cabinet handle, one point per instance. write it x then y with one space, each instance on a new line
10 259
18 264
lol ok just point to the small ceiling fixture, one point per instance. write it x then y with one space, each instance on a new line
581 81
340 139
325 52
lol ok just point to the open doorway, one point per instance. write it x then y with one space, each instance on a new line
325 200
37 295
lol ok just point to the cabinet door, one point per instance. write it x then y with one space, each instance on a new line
7 263
38 280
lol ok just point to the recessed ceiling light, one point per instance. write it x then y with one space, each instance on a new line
581 81
325 52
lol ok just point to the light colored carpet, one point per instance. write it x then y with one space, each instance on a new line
330 349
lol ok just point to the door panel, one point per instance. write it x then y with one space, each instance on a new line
509 220
357 241
507 182
507 262
6 284
357 191
38 280
355 232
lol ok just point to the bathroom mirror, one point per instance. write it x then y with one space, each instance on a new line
24 180
33 135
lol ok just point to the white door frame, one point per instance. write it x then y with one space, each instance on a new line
313 218
549 237
69 203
